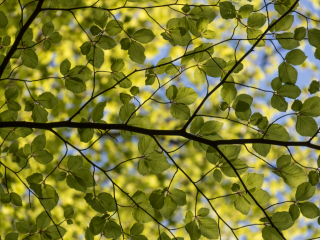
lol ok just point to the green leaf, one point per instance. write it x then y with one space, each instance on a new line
283 161
203 212
282 220
114 27
230 152
171 92
97 112
306 126
117 65
143 35
186 96
47 100
305 191
74 163
3 20
256 119
29 58
209 228
242 205
309 210
228 92
123 81
313 177
86 134
296 57
217 175
242 103
35 178
180 111
6 41
147 145
75 85
256 20
300 33
5 198
157 162
202 24
200 75
287 73
213 67
294 212
95 57
126 111
168 207
136 229
157 199
210 127
96 225
134 90
95 30
61 176
260 195
196 124
125 98
269 233
11 93
43 220
279 103
100 17
47 28
193 230
314 37
55 232
39 114
139 197
227 10
68 213
254 35
209 34
296 106
178 197
112 230
238 164
39 143
105 42
22 227
252 181
55 38
286 41
43 157
12 236
142 216
245 10
84 177
65 67
284 24
185 8
314 87
136 52
15 199
311 107
293 175
205 52
143 167
47 45
317 53
262 149
290 91
12 105
277 132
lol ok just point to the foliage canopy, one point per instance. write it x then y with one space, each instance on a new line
146 119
